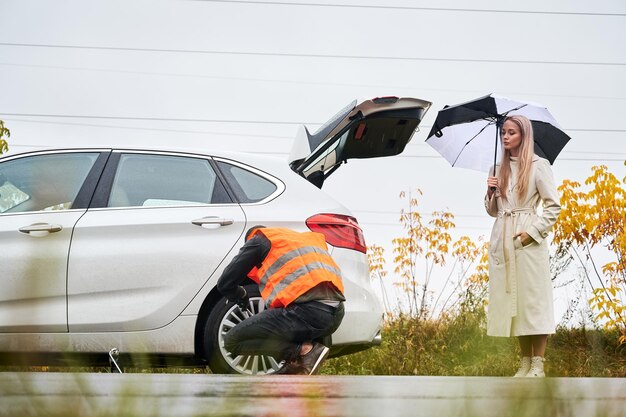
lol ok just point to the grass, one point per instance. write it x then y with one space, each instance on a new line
454 346
459 346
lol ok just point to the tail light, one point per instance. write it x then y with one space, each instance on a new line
339 230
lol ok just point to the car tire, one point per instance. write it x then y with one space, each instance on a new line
223 317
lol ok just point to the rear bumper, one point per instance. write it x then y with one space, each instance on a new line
363 319
347 349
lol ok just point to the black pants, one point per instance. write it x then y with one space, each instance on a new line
279 332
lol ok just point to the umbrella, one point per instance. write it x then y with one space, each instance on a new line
467 134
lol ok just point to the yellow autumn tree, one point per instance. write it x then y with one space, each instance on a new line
4 133
428 247
376 261
473 259
594 217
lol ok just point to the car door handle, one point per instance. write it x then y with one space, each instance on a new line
41 229
212 220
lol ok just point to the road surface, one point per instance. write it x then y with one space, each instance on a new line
88 394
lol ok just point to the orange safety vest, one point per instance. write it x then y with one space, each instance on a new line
295 263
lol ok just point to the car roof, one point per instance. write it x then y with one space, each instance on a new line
202 151
276 166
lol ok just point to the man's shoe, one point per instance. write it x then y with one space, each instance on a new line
311 361
292 368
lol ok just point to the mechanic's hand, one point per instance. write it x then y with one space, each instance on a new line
525 238
243 299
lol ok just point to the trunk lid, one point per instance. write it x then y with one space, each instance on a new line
373 128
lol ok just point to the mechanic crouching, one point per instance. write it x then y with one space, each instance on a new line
301 285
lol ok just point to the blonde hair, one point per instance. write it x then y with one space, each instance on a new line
526 153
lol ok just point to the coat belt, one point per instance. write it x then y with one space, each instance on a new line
509 218
516 212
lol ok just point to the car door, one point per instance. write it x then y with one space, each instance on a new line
371 129
42 196
159 226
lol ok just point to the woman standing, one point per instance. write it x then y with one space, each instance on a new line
520 288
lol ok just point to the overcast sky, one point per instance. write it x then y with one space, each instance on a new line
242 75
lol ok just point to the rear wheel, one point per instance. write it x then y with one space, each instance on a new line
222 319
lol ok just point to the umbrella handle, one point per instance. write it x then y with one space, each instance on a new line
494 171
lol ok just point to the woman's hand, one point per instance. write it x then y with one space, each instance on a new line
492 185
525 238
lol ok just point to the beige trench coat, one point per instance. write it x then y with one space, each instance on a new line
520 288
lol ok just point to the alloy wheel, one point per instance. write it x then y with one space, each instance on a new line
246 364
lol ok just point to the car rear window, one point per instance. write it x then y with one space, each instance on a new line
248 186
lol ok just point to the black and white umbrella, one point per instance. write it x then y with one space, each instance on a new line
467 134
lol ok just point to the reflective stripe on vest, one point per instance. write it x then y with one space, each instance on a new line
297 274
280 262
295 263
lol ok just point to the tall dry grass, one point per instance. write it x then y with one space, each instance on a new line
459 346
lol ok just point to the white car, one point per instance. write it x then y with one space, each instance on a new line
121 248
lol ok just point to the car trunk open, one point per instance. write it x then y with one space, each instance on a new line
374 128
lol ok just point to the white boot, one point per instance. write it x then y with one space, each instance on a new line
536 367
524 367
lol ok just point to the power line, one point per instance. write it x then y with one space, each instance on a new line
32 145
422 214
597 130
558 159
412 144
397 156
189 120
437 9
152 119
441 158
565 129
596 153
295 55
365 222
299 82
153 129
593 159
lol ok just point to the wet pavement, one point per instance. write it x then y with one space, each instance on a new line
84 394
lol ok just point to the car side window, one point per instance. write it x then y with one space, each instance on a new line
43 182
144 180
247 186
